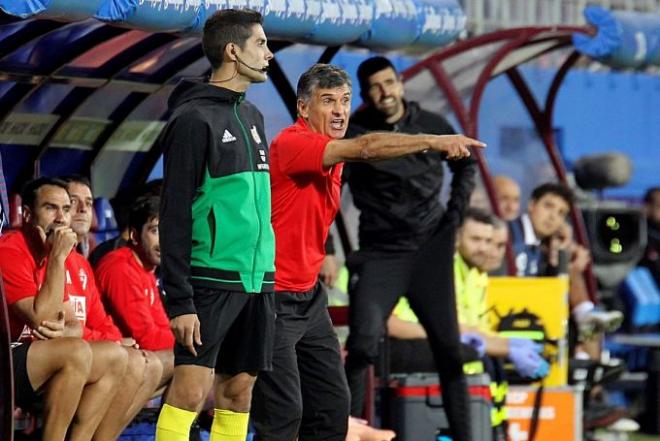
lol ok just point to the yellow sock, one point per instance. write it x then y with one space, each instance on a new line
174 424
229 426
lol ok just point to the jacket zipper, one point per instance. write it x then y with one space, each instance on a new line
248 145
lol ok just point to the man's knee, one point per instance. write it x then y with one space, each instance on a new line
79 355
363 348
189 387
235 392
110 357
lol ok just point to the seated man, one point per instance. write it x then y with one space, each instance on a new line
476 253
540 237
129 289
507 192
144 375
78 379
651 258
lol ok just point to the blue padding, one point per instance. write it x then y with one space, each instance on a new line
385 24
439 21
340 21
641 297
116 10
69 10
23 9
624 39
395 24
152 15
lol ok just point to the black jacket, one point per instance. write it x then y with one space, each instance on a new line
399 199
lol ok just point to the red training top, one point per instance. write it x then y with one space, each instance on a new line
22 278
305 198
131 294
86 301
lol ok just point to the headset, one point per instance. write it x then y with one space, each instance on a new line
261 70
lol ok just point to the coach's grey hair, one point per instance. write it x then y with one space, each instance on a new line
324 76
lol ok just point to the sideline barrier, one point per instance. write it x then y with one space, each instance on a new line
425 24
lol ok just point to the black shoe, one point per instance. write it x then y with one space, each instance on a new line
598 414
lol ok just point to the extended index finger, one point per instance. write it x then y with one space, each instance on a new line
474 142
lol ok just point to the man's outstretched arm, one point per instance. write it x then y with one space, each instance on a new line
379 146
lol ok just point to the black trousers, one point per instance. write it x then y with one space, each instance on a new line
306 394
426 278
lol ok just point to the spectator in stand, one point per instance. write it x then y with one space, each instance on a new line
540 238
507 192
129 289
38 272
144 375
651 258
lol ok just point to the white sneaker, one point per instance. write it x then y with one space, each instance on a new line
598 322
624 425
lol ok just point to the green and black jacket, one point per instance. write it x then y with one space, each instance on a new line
215 228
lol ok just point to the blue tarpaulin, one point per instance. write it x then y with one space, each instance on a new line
624 39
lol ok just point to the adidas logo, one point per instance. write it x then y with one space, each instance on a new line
228 137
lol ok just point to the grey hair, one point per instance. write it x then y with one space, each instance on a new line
324 76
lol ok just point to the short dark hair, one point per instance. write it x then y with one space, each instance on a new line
29 191
143 210
648 196
478 215
77 179
556 189
126 196
369 67
227 26
324 76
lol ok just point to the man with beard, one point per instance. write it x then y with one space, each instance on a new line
400 211
128 284
476 253
38 270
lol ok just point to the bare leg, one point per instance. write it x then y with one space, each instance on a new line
234 392
65 364
166 359
190 386
137 386
109 361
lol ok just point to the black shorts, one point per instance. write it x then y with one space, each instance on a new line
237 331
25 396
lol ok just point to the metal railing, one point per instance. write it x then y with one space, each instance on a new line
489 15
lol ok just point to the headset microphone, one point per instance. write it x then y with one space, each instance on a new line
260 70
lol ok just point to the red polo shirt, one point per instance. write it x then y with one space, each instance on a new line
131 294
305 199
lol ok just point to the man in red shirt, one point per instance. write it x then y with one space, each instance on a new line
306 394
144 375
129 288
33 262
